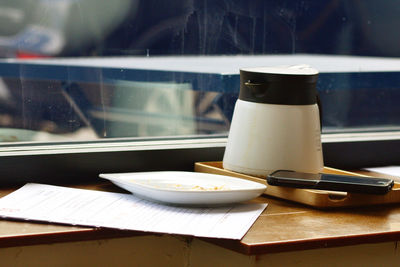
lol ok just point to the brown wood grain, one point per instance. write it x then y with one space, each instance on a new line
283 226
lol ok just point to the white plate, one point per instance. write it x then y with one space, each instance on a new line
193 188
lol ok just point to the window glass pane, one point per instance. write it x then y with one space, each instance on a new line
76 70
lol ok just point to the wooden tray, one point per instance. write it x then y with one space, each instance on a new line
315 198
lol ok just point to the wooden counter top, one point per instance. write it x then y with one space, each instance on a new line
283 226
286 227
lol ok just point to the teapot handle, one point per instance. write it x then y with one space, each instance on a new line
319 104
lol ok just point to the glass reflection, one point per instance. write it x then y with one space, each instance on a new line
45 98
36 110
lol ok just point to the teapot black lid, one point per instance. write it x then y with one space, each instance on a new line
285 85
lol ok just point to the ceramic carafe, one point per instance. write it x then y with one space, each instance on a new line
276 122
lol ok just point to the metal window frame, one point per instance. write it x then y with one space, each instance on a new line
82 162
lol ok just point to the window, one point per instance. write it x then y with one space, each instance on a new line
93 85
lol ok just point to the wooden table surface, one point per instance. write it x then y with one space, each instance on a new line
283 226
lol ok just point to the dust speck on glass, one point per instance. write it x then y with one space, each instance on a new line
78 70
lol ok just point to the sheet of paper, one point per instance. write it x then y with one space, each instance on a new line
389 170
57 204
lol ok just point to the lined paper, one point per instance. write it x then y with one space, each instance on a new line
40 202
